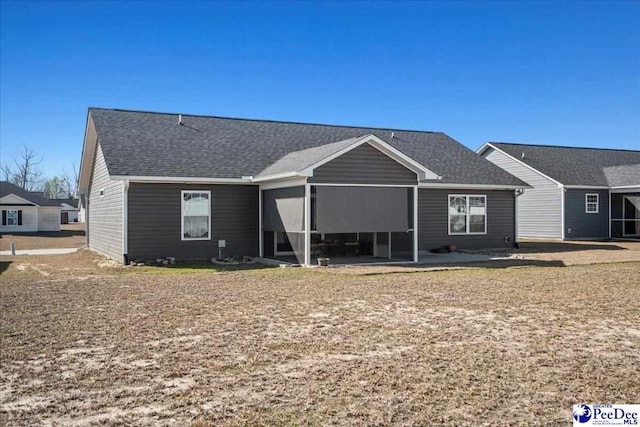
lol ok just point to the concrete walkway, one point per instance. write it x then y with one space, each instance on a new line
61 251
456 258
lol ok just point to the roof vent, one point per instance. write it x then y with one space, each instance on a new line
393 135
522 155
179 119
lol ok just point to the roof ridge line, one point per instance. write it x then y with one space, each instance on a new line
261 120
524 144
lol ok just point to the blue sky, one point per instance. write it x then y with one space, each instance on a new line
562 73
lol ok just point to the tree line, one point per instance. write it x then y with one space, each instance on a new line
25 173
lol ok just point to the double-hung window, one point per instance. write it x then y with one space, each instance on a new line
11 217
467 214
591 203
196 215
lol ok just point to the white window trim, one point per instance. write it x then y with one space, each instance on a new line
190 239
586 203
16 218
467 233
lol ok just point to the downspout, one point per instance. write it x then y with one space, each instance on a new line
562 191
415 224
125 222
517 193
260 232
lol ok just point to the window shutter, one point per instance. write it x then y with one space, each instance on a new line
19 217
4 217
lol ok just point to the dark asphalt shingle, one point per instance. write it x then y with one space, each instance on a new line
7 188
299 160
154 144
622 176
573 165
71 202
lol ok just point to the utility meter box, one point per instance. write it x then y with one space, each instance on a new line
222 243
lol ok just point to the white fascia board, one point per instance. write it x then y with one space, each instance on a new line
18 197
625 189
88 152
180 179
308 171
277 176
403 159
586 187
488 144
483 148
346 184
473 186
383 147
284 183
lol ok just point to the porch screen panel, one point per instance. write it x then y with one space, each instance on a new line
297 244
361 209
283 209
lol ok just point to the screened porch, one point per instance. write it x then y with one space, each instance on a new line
347 224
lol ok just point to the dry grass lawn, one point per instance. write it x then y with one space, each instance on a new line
70 236
86 343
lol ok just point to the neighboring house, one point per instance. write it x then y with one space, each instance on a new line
27 212
82 212
68 210
578 193
159 185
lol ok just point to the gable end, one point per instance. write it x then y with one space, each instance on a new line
364 164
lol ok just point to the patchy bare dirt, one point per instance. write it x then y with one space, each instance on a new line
86 342
70 236
577 253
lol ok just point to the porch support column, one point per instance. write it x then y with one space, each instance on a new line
307 225
609 203
516 194
415 224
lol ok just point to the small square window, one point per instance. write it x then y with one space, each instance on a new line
591 203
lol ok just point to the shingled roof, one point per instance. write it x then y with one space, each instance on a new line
298 160
623 176
578 166
136 143
34 197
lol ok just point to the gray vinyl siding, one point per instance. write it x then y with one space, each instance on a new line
154 220
582 225
539 207
433 220
363 165
105 212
